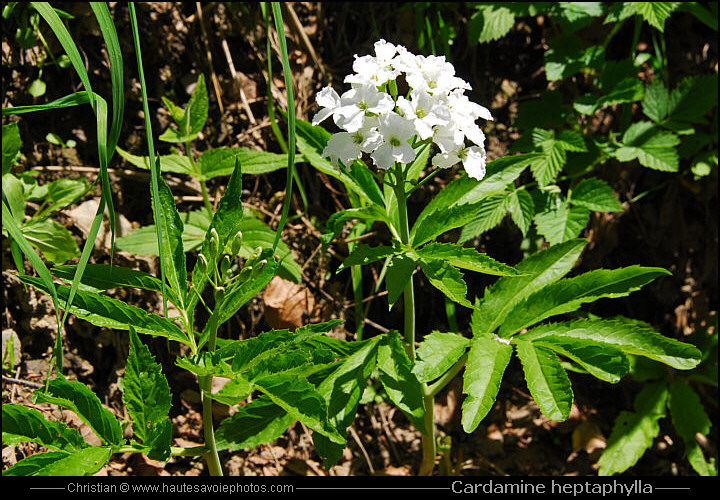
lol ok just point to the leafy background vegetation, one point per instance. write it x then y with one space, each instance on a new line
605 128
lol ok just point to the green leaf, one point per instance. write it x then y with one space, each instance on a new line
484 369
11 144
490 22
594 194
634 432
436 353
447 279
547 164
689 419
62 193
401 385
601 360
654 13
84 462
147 397
13 192
562 224
221 161
172 163
258 422
194 117
568 295
365 255
547 381
78 398
239 295
53 240
522 209
489 213
300 399
651 146
467 191
630 336
173 253
103 277
399 272
538 271
465 258
112 313
21 425
341 392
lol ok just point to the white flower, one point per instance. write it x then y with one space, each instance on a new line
329 100
435 76
472 158
387 127
425 111
375 70
396 131
357 102
349 146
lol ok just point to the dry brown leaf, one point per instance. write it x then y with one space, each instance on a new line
587 436
287 304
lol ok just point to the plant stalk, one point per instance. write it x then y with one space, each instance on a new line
428 438
211 457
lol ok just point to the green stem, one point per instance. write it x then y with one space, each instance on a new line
212 458
203 186
175 451
428 438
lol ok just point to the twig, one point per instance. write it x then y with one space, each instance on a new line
213 76
297 27
233 73
26 383
356 438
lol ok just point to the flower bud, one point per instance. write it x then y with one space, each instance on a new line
214 244
202 264
237 243
225 265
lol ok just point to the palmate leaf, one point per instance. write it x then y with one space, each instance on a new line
568 295
463 195
365 255
78 398
487 360
447 279
651 146
400 383
654 13
630 336
490 22
595 194
341 391
302 400
547 381
522 209
488 214
83 462
537 271
112 313
147 397
634 432
399 272
437 352
258 422
21 425
689 418
601 360
465 258
562 224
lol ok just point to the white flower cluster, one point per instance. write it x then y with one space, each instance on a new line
374 122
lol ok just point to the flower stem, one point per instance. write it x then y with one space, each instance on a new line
212 458
428 438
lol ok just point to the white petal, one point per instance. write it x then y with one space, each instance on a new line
474 162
